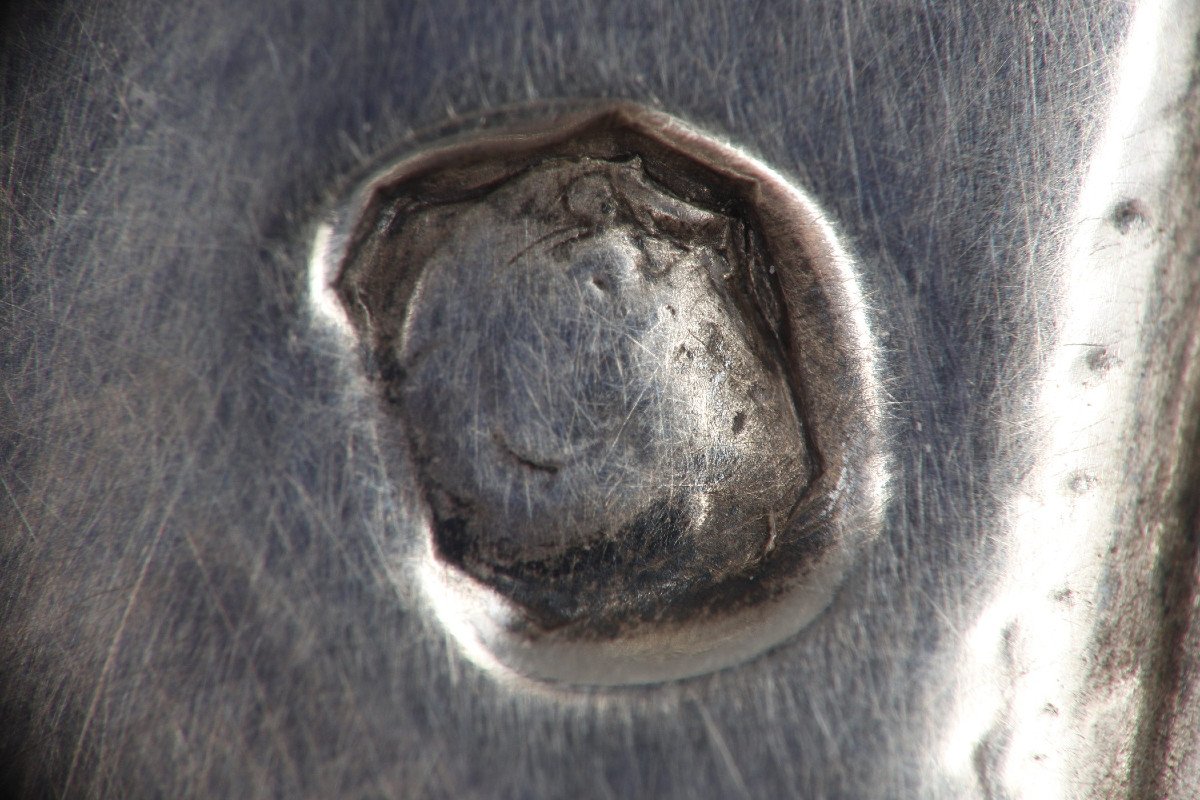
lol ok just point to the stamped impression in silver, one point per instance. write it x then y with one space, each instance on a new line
628 372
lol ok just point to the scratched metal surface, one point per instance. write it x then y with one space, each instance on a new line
194 599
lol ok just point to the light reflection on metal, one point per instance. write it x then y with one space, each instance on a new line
1022 680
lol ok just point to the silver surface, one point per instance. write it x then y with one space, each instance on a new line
196 595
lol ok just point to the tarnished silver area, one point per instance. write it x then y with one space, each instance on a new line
603 343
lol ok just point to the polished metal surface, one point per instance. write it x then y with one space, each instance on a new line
207 579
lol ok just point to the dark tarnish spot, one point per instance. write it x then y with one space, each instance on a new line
1100 360
1131 214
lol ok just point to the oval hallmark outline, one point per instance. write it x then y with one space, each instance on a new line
827 343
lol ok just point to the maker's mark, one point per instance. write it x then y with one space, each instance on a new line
607 353
593 381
